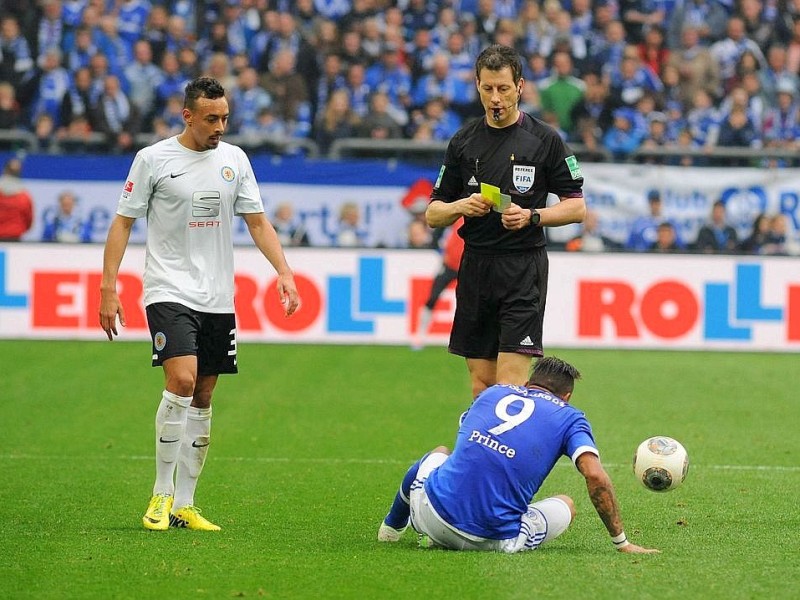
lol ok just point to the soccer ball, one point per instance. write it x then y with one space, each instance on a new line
660 463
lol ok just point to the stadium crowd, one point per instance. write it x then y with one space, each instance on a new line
612 77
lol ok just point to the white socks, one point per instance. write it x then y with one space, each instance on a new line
192 455
170 426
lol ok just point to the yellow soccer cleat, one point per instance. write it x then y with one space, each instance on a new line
189 517
157 516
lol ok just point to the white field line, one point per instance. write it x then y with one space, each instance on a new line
359 461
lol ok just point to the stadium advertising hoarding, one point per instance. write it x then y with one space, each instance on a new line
317 191
374 297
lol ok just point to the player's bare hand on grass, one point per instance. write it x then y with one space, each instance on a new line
110 308
515 217
634 549
474 206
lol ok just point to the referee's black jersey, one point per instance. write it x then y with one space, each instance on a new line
526 160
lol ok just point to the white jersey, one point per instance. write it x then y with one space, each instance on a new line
189 199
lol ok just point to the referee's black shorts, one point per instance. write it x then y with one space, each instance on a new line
500 302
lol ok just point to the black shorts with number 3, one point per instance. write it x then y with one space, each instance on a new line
500 302
176 330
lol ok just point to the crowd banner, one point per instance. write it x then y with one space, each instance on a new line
384 191
362 296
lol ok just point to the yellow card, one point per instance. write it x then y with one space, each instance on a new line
499 201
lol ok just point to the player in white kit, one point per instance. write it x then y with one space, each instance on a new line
189 187
480 497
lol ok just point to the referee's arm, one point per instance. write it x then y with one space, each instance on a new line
569 210
443 214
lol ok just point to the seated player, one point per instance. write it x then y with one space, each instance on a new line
480 496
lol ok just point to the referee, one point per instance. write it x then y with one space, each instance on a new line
502 289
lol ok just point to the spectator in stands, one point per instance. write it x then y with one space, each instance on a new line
419 54
288 36
44 130
391 75
17 64
173 83
779 240
441 83
622 138
442 121
738 131
218 66
65 224
708 16
80 100
754 242
332 78
640 17
590 239
16 204
348 233
695 65
562 91
776 73
760 27
793 44
54 81
702 120
632 81
782 122
169 121
381 122
117 117
51 28
82 51
290 231
653 51
336 121
592 116
10 111
286 87
357 89
666 239
717 236
111 45
132 16
606 53
643 233
248 99
143 78
727 51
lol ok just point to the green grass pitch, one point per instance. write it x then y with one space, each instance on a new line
309 444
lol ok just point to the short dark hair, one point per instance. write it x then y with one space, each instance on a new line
202 87
497 57
554 375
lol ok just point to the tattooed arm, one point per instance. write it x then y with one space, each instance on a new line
601 493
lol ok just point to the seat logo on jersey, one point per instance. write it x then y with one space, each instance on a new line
205 204
523 177
228 174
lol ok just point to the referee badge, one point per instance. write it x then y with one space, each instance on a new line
523 177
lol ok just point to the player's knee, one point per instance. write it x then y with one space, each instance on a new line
570 504
181 383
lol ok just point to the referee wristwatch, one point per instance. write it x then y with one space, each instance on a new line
535 217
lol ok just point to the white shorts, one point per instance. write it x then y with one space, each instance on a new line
545 520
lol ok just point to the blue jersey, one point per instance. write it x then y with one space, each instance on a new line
507 443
